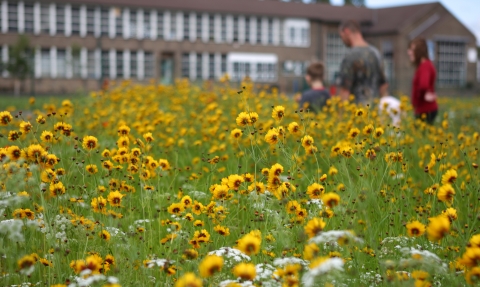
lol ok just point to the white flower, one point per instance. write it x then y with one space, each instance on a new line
289 260
231 253
12 227
264 271
334 236
328 265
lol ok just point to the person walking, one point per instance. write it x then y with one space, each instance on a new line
424 98
361 71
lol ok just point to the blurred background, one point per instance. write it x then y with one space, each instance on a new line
73 46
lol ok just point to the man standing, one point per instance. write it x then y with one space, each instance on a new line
361 71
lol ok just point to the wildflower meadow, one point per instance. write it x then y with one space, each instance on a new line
221 185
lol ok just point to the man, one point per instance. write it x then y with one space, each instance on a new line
361 71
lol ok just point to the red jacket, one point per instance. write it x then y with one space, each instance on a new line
423 82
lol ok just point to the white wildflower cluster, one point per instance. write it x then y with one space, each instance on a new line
427 257
59 229
333 236
12 228
115 231
230 255
197 194
80 281
8 199
26 284
138 223
331 264
289 261
159 262
264 271
370 278
27 271
226 283
317 202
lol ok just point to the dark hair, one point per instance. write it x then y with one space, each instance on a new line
420 50
315 71
351 25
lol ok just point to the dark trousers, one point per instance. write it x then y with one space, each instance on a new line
430 117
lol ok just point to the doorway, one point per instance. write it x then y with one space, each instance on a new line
166 68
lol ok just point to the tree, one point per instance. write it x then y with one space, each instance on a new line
357 3
19 61
321 1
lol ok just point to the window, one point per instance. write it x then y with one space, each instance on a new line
211 66
211 27
223 28
160 25
335 53
294 68
76 63
235 29
104 21
60 19
199 65
304 38
61 63
45 65
149 65
186 26
259 30
75 20
185 73
198 20
387 51
240 70
45 18
91 64
90 21
133 65
451 64
119 64
118 22
292 35
247 29
147 27
13 17
296 32
105 67
173 27
223 65
280 32
270 31
29 23
133 23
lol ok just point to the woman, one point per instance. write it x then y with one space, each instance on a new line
424 99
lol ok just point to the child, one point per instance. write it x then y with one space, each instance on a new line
315 98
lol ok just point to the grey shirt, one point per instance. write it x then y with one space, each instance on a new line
316 99
361 72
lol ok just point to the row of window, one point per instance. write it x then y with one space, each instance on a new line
66 19
94 64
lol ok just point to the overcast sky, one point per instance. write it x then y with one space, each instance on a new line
467 11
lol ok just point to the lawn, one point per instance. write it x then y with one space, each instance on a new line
223 186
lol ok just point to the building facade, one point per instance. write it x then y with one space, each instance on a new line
80 44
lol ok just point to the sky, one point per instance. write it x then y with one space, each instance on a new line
467 11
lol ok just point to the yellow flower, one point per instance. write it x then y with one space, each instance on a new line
272 136
26 261
294 128
446 193
249 244
148 137
307 141
90 143
314 226
176 208
278 113
104 235
46 136
438 227
5 118
34 152
210 265
91 168
115 198
243 119
15 153
245 271
57 189
354 132
189 280
25 127
449 177
225 231
473 276
236 133
315 191
331 199
415 228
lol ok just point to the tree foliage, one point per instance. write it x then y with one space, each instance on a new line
357 3
19 64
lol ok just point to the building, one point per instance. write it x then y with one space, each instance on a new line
80 43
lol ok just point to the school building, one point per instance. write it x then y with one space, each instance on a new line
80 43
